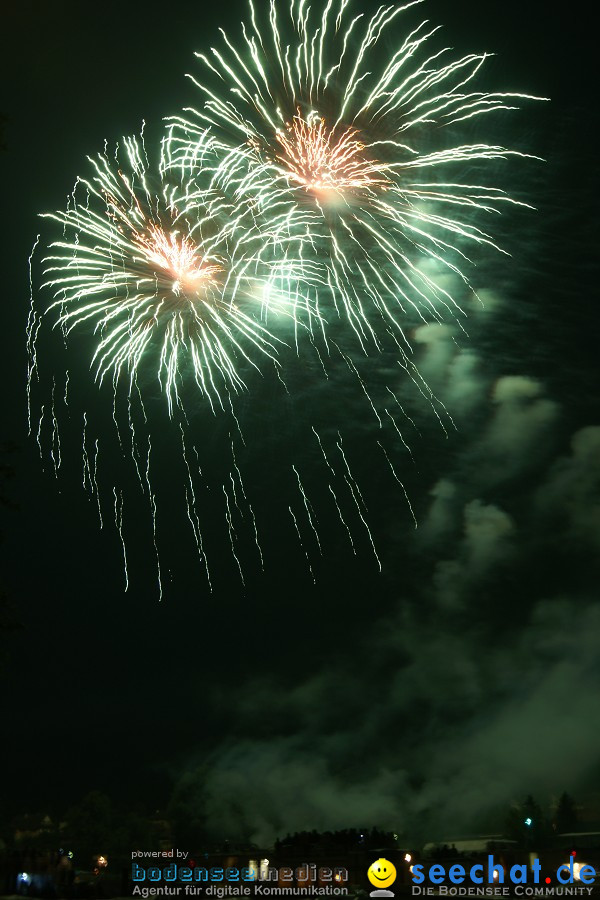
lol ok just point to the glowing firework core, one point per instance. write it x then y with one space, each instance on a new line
177 255
318 159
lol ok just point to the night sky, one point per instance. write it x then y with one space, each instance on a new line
461 678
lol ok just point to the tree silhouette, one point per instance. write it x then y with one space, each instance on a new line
566 814
527 825
88 829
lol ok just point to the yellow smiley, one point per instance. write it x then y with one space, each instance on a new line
382 873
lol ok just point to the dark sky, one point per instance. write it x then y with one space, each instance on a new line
469 667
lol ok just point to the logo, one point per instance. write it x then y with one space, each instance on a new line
189 881
381 874
494 874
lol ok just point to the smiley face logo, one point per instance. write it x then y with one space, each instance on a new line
382 873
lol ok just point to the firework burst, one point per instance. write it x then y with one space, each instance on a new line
188 295
315 114
157 280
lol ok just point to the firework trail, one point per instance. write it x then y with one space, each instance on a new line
308 109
